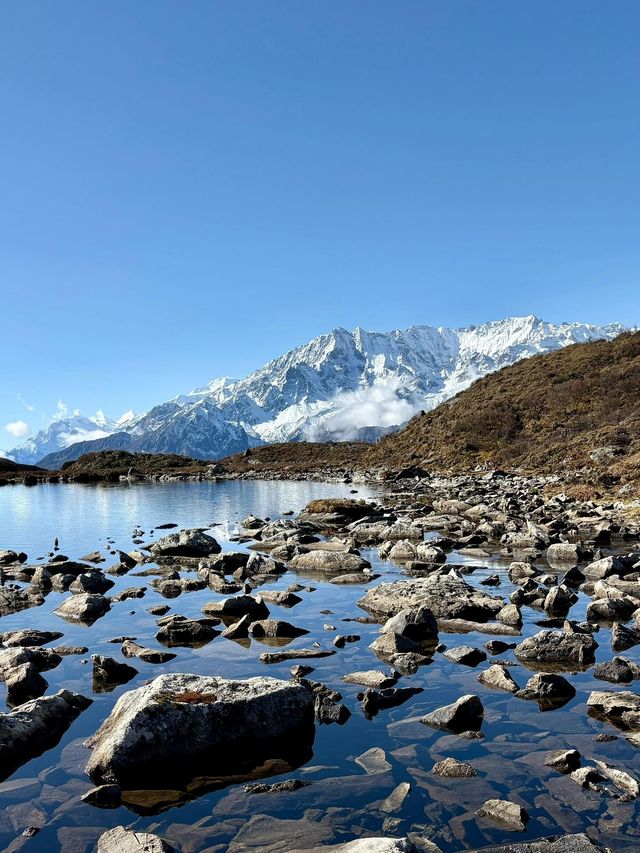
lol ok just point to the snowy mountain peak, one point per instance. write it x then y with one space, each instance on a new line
340 385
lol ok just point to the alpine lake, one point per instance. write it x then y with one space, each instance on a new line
347 796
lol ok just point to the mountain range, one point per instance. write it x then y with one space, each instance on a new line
340 386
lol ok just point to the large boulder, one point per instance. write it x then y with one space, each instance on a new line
329 562
85 607
180 724
447 596
558 647
35 726
186 543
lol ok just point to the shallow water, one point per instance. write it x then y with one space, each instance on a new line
343 802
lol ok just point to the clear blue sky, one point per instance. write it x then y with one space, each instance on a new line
191 188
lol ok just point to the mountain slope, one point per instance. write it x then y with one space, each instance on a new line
340 386
577 407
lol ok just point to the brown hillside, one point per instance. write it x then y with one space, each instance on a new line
577 407
297 458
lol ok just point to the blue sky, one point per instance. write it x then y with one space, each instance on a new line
192 188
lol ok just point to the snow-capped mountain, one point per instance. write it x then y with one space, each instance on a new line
339 386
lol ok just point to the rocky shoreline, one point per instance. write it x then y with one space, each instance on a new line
188 734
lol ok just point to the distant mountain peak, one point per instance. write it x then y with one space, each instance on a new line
338 386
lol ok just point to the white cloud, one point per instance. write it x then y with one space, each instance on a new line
63 411
18 429
385 404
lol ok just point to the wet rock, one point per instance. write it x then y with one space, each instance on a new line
85 608
28 637
287 786
374 701
467 655
623 638
282 598
121 840
13 599
548 690
329 562
108 673
180 631
272 628
133 650
341 640
612 609
41 659
620 778
327 710
35 726
236 607
373 845
103 797
354 578
499 678
156 609
558 647
132 592
393 803
559 601
94 582
451 768
618 670
605 567
186 543
292 654
418 625
621 708
374 678
24 682
466 713
509 815
510 615
373 761
564 552
497 647
446 596
144 736
563 760
587 777
300 670
238 630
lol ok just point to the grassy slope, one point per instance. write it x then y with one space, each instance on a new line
547 413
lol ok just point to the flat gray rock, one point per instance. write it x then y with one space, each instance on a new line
446 596
181 721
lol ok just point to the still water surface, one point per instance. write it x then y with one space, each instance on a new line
344 801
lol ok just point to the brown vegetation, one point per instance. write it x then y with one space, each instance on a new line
578 407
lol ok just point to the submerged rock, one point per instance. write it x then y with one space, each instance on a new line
178 723
451 768
507 814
